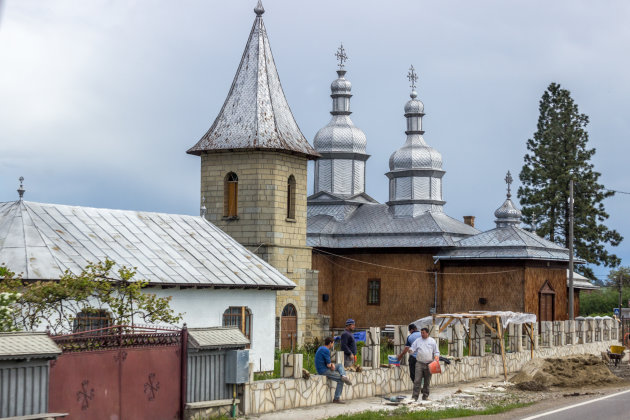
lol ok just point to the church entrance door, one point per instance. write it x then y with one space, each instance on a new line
288 328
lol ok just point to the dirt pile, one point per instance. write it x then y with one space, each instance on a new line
570 372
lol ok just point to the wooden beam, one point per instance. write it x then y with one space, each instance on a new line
446 324
500 334
487 324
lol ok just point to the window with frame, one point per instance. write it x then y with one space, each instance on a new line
374 292
291 197
230 195
240 317
88 320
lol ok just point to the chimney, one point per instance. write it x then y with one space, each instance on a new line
469 220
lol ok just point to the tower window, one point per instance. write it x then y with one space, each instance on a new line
291 197
230 196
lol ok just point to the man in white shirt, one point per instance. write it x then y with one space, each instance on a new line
426 350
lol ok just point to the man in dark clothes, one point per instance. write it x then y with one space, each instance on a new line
348 345
325 366
414 334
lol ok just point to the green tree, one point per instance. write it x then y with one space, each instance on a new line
55 304
557 153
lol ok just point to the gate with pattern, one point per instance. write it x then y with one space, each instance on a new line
119 373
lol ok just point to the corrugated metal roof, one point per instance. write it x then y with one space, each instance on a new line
581 282
42 241
20 345
507 242
216 337
374 226
255 114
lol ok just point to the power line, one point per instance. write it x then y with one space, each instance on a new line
617 192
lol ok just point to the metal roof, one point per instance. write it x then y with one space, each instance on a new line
255 114
42 241
581 282
216 337
374 226
21 345
507 242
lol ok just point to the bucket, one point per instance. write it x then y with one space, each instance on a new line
434 367
393 360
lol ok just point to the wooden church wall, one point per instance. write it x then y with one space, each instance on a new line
404 295
535 278
466 288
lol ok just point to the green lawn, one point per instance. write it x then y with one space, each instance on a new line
403 413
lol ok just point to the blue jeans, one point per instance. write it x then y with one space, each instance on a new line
335 375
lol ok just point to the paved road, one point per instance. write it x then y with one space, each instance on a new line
614 406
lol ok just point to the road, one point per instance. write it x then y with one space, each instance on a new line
614 406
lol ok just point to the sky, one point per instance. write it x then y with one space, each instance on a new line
100 100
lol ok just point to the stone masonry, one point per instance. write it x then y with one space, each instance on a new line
262 224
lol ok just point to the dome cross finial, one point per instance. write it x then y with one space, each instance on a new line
21 189
341 56
413 77
259 9
508 181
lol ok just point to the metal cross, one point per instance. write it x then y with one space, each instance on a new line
341 56
413 77
21 189
508 181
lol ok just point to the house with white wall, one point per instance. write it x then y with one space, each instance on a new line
213 280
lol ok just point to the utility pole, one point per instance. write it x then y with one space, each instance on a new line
619 283
571 315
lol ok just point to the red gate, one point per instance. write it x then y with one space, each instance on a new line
119 373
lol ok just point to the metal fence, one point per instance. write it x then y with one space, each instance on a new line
23 388
206 377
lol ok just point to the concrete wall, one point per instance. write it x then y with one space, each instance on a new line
205 307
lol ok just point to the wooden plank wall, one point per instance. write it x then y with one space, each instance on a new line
405 296
461 289
535 278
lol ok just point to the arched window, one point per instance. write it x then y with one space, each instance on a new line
88 320
240 317
291 197
230 195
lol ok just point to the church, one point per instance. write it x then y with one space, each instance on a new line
348 255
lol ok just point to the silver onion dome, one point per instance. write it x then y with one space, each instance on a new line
416 168
508 214
342 145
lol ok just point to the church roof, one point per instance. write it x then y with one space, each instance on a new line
42 241
374 226
255 114
507 242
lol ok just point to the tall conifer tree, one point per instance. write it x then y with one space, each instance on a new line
557 153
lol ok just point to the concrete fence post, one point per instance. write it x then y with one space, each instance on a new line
291 365
515 332
590 330
478 341
569 329
400 338
456 340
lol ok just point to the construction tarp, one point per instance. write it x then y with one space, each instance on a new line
507 317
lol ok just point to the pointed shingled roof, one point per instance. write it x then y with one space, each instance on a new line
255 114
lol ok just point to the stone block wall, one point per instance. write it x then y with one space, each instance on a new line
281 394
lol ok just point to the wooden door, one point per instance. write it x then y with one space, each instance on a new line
546 303
288 328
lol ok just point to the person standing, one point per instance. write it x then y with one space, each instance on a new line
348 344
414 334
426 350
325 366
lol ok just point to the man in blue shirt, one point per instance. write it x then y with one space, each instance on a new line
348 344
325 366
414 334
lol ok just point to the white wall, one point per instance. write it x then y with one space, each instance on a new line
205 307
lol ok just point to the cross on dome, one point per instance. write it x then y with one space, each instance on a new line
341 56
413 77
508 181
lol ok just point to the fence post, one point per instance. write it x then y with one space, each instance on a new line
456 340
291 365
400 338
569 329
478 342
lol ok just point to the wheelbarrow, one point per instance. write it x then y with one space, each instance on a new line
616 353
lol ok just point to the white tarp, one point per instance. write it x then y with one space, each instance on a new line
507 317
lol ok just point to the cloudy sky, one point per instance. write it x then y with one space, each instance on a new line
100 99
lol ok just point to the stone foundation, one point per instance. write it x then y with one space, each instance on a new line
282 394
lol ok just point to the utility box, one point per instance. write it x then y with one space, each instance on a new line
237 366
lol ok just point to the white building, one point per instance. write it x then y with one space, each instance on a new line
212 279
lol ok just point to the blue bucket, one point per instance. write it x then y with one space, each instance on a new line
393 360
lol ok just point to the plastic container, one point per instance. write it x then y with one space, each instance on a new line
434 367
393 360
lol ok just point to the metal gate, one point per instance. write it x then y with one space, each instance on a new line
119 373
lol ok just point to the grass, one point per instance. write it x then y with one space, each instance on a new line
403 413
